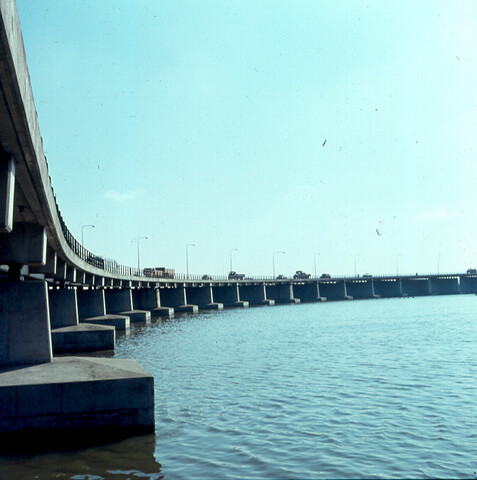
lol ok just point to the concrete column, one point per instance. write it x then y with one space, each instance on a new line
307 292
255 294
176 298
149 299
63 308
49 269
281 293
24 323
228 295
70 274
7 192
61 269
119 301
203 297
24 245
92 309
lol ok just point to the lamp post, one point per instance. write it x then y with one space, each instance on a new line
82 235
397 264
355 255
137 242
187 258
273 259
314 261
438 260
230 254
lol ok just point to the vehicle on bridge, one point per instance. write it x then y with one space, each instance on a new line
159 272
325 275
206 277
367 275
236 276
300 275
472 270
281 277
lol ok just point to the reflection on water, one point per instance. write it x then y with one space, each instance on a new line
364 389
129 458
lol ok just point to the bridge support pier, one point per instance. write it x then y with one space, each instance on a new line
255 294
281 293
149 299
92 309
177 298
203 297
67 335
229 296
119 301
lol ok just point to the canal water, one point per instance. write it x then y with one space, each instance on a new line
361 389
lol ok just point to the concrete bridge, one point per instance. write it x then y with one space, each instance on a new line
57 297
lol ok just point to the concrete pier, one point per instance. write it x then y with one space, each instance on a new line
468 283
255 294
75 397
177 299
361 288
67 335
415 287
92 309
308 292
119 301
335 290
281 293
228 295
203 297
388 288
444 285
149 299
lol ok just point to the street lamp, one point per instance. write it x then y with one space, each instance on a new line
355 255
273 258
397 264
230 253
187 258
314 261
137 241
82 229
438 260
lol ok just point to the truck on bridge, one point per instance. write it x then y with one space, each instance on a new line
159 272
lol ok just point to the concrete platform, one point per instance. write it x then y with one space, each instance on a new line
85 337
187 309
212 306
75 397
137 315
121 322
162 312
239 304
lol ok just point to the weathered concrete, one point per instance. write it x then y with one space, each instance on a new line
24 323
307 292
255 295
228 296
7 192
92 309
177 298
468 284
415 287
281 293
24 245
444 285
203 297
83 338
149 299
119 301
389 287
334 290
360 288
76 396
63 308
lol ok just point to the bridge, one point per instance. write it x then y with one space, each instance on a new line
58 297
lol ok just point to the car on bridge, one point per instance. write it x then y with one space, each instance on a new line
367 275
472 270
206 277
325 275
236 276
281 277
300 275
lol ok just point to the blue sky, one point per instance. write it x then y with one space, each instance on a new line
204 122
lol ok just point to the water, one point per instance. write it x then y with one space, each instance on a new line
362 389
